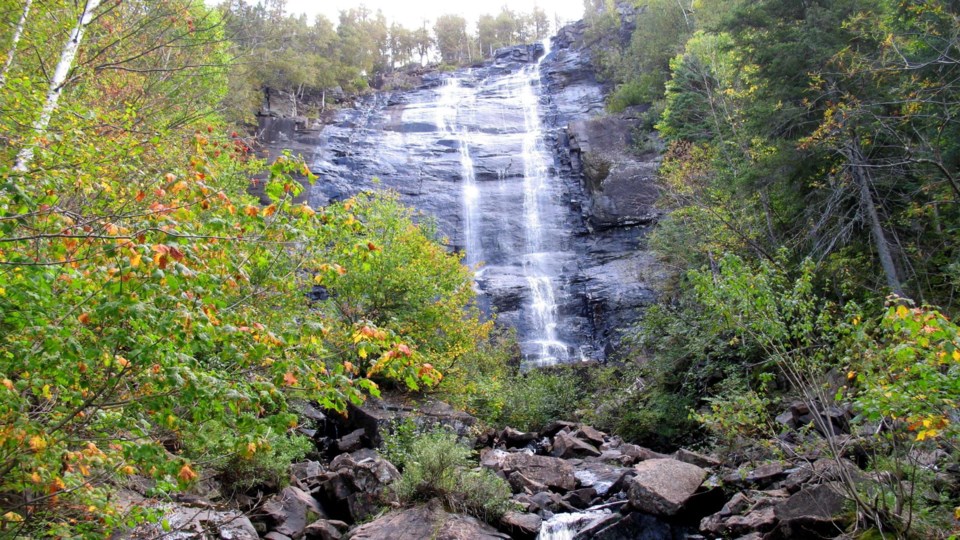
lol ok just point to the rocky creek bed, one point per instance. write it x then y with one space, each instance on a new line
568 481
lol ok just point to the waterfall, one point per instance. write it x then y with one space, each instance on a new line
451 97
514 216
541 211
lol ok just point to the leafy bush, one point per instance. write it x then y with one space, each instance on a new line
535 398
265 462
626 95
400 305
440 467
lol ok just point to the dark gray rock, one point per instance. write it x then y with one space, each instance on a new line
552 472
521 484
521 525
566 446
695 458
517 439
324 529
352 441
662 486
591 435
356 483
291 510
813 512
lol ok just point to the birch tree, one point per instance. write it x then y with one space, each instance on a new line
14 42
67 56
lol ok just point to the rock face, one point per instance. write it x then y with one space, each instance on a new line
426 522
495 154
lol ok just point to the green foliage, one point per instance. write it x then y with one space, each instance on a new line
398 442
439 467
263 463
911 371
534 399
152 313
389 279
483 375
626 95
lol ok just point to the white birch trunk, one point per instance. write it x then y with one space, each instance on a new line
16 41
67 56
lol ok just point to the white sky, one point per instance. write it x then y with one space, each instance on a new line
412 13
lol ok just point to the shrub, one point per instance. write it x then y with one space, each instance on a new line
440 467
627 95
533 399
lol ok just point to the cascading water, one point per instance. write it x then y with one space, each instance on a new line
539 205
451 97
511 224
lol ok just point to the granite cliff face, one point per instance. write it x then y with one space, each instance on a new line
520 167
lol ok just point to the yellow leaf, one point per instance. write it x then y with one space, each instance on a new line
362 353
13 517
135 260
37 443
903 312
956 355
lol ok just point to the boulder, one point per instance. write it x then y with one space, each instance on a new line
567 446
601 477
813 512
186 523
517 439
521 525
351 442
306 475
429 521
356 482
662 486
762 476
639 453
291 510
521 484
633 526
552 472
695 458
324 529
439 412
591 435
580 498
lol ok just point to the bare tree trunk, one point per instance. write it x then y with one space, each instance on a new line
862 177
67 56
14 42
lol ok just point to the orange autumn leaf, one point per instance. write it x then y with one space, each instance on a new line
187 474
84 318
290 379
251 211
